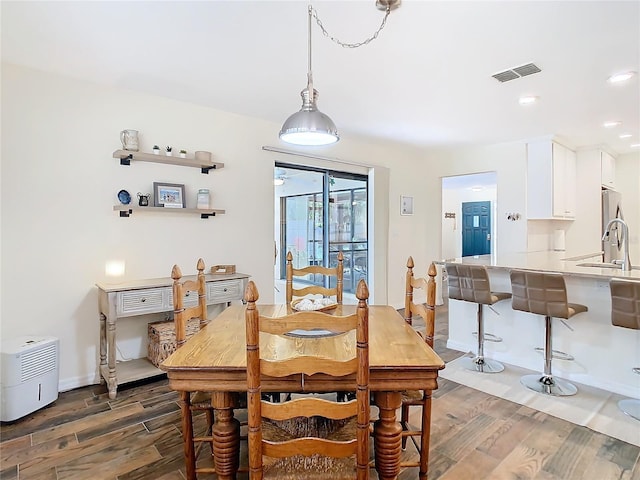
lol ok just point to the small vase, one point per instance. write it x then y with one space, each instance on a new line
183 155
169 154
156 151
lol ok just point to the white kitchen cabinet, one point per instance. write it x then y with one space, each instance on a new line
607 170
551 181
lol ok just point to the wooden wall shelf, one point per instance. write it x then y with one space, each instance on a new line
127 210
126 157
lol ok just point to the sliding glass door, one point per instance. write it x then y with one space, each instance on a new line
321 213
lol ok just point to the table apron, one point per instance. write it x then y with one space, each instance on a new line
384 381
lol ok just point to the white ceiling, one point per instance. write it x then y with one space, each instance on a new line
425 81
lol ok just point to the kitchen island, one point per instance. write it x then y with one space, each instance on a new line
604 354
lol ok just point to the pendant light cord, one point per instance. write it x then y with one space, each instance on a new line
314 12
309 72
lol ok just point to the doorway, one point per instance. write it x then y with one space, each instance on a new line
456 190
320 213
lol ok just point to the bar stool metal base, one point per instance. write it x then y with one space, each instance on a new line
549 385
481 364
631 407
557 354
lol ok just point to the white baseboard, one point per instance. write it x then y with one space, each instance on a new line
66 384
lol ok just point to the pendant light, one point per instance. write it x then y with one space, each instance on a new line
309 126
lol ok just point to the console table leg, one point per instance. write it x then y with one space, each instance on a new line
387 435
112 382
103 343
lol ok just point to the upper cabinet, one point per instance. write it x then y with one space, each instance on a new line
607 170
551 181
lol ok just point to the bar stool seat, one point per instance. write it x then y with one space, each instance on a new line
544 294
470 283
625 312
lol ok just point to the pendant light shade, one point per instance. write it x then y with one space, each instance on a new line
309 126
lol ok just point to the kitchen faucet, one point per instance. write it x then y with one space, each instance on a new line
626 261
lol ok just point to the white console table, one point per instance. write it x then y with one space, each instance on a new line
140 297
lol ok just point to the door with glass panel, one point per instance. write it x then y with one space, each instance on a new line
321 213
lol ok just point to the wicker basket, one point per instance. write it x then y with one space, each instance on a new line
162 339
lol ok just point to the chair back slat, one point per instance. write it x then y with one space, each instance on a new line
307 365
307 407
304 320
310 446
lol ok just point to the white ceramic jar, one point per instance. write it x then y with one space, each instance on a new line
203 198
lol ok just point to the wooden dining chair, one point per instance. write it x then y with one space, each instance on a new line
419 398
308 437
337 272
192 403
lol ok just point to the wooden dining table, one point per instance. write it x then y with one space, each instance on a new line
214 360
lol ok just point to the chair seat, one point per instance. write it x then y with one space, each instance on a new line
320 427
412 396
201 400
316 466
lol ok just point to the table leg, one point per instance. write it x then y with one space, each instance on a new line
226 436
387 435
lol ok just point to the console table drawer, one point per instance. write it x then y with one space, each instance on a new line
142 301
190 299
224 291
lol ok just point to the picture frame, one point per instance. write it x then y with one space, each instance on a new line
406 205
168 195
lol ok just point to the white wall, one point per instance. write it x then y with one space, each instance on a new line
59 185
508 160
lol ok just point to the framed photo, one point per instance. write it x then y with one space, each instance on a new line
406 205
168 195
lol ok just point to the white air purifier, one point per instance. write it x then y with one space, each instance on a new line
28 375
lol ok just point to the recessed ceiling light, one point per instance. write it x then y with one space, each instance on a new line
611 124
626 135
621 77
477 188
527 100
635 145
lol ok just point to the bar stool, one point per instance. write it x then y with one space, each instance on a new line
544 294
470 283
625 312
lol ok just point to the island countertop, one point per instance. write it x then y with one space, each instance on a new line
549 261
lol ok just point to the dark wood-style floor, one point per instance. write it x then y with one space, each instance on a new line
475 436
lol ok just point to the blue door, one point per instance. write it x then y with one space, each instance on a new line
476 228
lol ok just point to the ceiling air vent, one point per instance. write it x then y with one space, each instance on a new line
517 72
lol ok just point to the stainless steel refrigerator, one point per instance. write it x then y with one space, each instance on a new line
612 208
